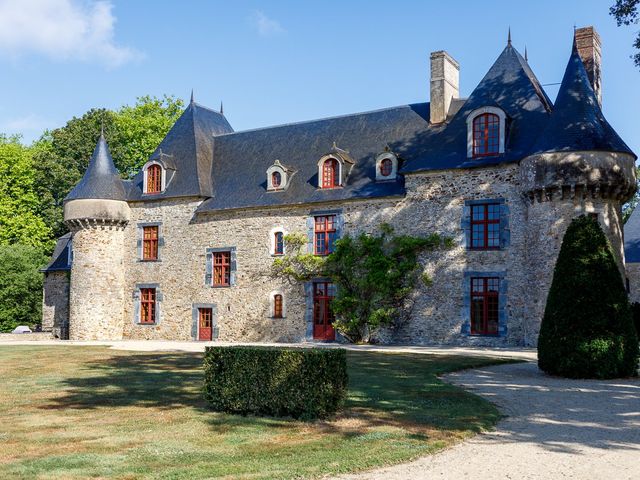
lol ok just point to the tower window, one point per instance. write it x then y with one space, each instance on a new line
278 243
484 305
147 305
330 173
325 234
221 269
150 243
486 135
277 306
154 179
485 226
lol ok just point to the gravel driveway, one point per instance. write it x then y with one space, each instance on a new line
555 429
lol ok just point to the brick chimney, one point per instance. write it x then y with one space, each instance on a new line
588 43
445 77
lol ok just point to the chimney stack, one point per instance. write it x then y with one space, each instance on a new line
588 43
445 77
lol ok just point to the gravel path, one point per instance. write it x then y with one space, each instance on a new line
555 429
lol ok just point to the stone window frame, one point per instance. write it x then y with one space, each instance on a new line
311 224
136 304
502 116
140 237
505 232
233 266
272 295
272 241
195 320
502 302
308 310
284 177
163 180
394 167
340 175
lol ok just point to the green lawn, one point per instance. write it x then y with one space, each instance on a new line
91 412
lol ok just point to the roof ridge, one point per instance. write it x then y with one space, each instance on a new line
323 119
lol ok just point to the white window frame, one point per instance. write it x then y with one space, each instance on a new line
277 167
162 181
479 111
394 166
272 241
272 304
340 170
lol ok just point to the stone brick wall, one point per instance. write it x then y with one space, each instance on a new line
55 304
96 297
633 275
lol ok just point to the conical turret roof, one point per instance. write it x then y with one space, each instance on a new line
101 180
577 122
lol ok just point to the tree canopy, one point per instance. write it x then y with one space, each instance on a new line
626 13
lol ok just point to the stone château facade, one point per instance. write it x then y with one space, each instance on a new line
183 250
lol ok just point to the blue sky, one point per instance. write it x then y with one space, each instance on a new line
279 62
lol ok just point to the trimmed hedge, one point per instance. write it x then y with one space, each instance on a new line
587 330
304 383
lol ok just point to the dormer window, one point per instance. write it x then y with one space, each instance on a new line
154 178
278 176
386 166
330 173
485 132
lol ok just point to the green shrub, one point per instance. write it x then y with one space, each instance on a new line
635 309
587 330
20 286
303 383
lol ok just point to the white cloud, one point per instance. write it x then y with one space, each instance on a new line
28 122
62 30
266 26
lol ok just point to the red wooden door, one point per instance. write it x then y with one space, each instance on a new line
322 315
205 320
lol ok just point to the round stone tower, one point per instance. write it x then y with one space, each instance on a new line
96 213
581 167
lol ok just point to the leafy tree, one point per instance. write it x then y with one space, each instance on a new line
20 285
63 154
374 274
587 330
626 13
19 220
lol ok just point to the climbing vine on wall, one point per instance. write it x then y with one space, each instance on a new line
374 275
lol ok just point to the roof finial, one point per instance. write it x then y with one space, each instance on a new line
509 37
526 56
191 96
221 109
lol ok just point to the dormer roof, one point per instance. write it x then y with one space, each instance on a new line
577 122
101 180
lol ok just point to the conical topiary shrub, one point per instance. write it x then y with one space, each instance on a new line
587 330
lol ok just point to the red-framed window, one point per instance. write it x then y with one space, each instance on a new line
221 269
278 243
277 306
485 226
386 167
276 179
323 317
325 234
486 135
330 173
484 305
150 243
147 305
154 179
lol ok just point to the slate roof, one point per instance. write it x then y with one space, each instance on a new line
510 85
205 158
187 153
632 237
101 180
577 122
241 159
60 258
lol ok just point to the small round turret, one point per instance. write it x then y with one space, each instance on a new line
97 213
